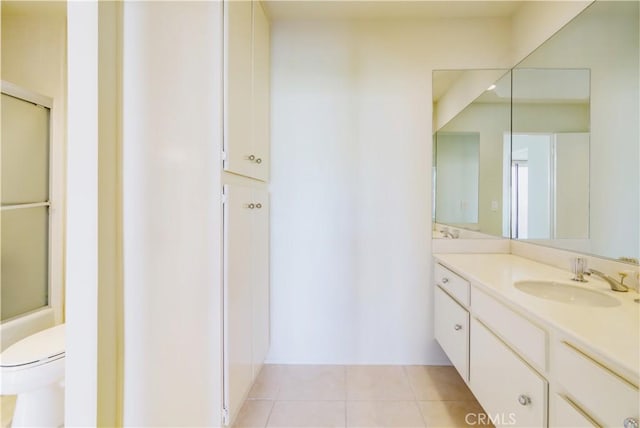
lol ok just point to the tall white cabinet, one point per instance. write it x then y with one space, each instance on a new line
246 199
246 291
246 74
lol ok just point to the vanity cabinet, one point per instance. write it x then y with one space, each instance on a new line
529 340
246 291
595 391
452 331
246 89
565 413
452 283
507 388
525 369
492 348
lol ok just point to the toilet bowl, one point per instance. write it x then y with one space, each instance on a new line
33 369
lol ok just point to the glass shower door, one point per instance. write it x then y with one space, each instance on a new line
25 146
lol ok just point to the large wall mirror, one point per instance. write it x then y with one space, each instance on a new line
550 147
469 150
572 154
587 78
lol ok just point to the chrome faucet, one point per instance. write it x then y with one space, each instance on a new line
615 285
447 234
579 268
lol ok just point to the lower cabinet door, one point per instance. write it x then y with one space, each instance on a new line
511 392
452 331
601 393
260 283
238 277
565 414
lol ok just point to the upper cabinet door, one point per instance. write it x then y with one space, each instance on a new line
246 108
237 87
260 91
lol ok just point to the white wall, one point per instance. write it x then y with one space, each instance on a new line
351 184
171 144
81 358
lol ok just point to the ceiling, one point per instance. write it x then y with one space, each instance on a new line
331 9
387 9
25 7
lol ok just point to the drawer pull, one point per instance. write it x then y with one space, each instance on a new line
457 327
251 206
251 158
258 205
631 423
524 400
445 280
258 161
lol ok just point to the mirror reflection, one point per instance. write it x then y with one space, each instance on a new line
470 190
586 78
562 168
550 155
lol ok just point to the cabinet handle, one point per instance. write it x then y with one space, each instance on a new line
258 160
445 280
251 158
631 423
457 327
524 400
258 205
251 206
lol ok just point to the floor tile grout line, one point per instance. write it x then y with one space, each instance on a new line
346 394
415 395
280 376
266 423
406 375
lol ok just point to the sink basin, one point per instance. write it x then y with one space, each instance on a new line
566 293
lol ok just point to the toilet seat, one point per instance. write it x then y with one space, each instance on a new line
33 369
40 348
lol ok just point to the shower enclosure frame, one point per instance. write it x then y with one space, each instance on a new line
18 327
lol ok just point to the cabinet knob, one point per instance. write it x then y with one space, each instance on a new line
457 327
445 280
631 423
258 205
251 158
524 400
258 160
251 206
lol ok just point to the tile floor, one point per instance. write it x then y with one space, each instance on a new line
358 396
7 404
350 396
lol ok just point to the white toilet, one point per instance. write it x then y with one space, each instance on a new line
33 369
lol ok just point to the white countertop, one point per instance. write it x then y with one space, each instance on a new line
611 335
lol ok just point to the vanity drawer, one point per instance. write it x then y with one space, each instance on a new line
505 386
565 414
603 395
454 284
523 336
451 327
